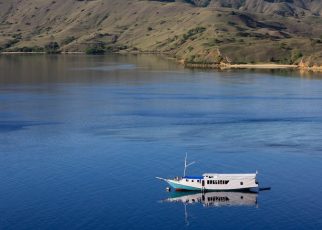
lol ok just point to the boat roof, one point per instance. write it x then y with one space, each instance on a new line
229 175
217 175
194 177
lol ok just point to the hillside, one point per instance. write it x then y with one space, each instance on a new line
280 7
236 31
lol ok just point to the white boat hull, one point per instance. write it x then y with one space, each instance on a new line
215 182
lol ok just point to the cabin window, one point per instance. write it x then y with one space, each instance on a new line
226 181
187 180
215 182
241 183
207 181
191 180
198 181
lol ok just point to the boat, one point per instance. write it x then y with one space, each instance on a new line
212 181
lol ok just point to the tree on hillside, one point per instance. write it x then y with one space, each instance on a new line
96 48
52 48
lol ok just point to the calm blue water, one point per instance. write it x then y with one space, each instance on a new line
82 138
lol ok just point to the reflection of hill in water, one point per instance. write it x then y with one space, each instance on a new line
111 69
215 199
128 69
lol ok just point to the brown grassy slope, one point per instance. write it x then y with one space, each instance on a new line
279 7
197 34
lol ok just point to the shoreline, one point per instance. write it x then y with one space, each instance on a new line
18 52
261 66
266 66
220 66
241 66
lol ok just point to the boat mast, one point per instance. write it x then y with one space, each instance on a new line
186 165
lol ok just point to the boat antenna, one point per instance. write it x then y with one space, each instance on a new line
186 165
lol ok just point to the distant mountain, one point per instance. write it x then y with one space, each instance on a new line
199 31
280 7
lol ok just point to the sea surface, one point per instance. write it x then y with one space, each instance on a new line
82 139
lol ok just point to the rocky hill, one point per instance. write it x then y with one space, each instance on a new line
199 31
279 7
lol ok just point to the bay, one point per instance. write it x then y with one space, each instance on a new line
82 139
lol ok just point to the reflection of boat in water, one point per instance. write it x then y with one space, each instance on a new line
214 199
213 181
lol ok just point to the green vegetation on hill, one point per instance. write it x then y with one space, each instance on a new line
52 48
97 48
197 31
